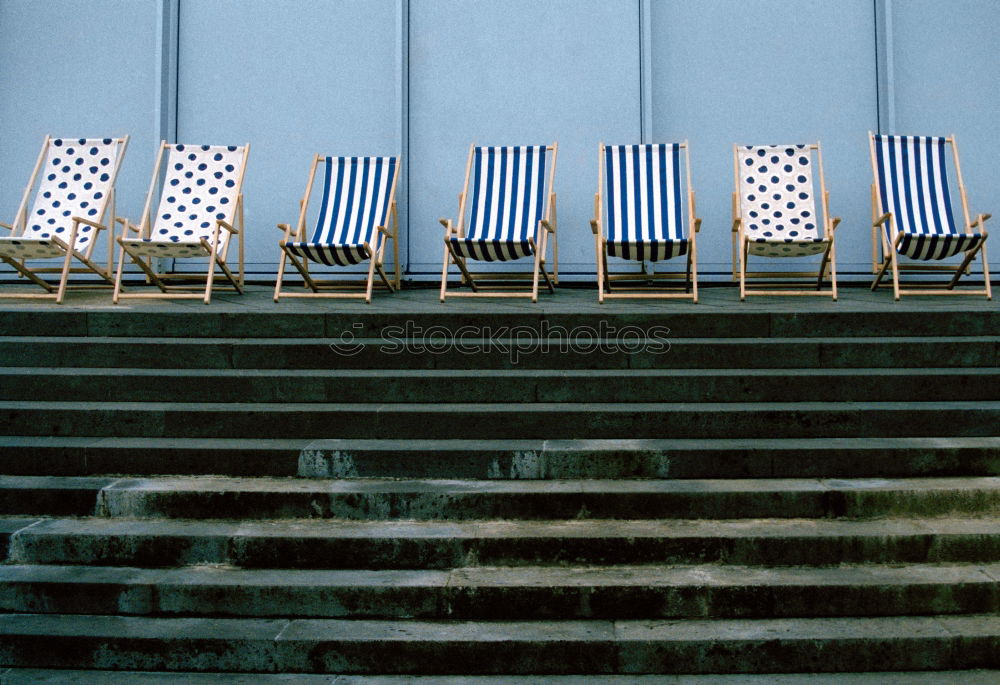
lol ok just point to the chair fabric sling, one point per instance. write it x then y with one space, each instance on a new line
202 185
776 201
77 178
644 217
508 201
913 187
356 197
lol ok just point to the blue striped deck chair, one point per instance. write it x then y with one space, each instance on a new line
74 201
199 214
639 215
512 216
774 215
358 200
911 203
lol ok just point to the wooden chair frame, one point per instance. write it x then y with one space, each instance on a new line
539 245
885 256
216 257
18 226
376 258
741 245
605 278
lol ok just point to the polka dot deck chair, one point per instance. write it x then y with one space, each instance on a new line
911 203
639 191
357 202
512 216
74 202
199 214
774 215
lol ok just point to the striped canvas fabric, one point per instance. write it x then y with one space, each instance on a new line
356 201
202 184
777 207
76 180
508 201
913 186
643 202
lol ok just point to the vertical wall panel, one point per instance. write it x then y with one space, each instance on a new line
72 69
770 71
293 79
511 73
945 76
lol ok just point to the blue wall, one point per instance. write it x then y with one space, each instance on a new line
424 78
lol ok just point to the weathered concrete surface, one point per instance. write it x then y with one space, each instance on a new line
491 385
61 677
503 593
449 544
544 420
652 458
512 647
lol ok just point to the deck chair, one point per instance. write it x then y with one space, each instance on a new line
512 217
359 195
774 215
200 210
644 215
912 204
74 202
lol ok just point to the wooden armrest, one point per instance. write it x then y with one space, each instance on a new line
882 219
834 222
284 227
386 231
980 220
548 227
226 225
127 224
81 220
445 222
594 226
736 225
697 225
7 226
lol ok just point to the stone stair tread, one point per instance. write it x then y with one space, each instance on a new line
495 407
418 646
633 528
33 371
29 676
714 575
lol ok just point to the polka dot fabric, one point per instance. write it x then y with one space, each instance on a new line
76 180
776 201
201 185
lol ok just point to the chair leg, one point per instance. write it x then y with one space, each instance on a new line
600 268
444 272
281 275
371 276
694 272
986 272
743 272
534 279
64 277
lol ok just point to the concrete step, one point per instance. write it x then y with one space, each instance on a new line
372 499
573 312
503 459
377 353
650 458
80 455
488 421
506 593
35 676
486 385
336 544
510 647
51 495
